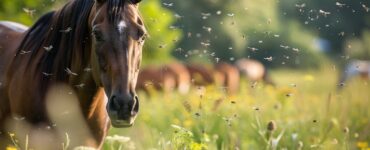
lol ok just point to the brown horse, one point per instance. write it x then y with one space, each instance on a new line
228 76
92 46
200 74
155 78
181 75
253 70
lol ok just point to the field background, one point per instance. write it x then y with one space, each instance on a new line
310 42
308 111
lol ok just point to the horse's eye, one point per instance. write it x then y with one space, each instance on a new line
98 36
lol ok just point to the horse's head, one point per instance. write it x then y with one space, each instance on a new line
118 34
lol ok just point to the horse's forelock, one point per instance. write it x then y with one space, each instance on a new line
114 9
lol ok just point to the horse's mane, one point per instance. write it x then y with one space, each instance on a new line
66 33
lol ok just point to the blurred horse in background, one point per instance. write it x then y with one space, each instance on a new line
165 78
200 74
181 75
227 76
178 76
154 78
354 68
220 74
253 70
92 46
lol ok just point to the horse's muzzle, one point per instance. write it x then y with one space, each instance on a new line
123 110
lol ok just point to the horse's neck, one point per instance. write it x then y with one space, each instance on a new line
86 87
92 97
86 90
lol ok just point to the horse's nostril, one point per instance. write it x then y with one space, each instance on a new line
114 104
136 104
136 99
125 106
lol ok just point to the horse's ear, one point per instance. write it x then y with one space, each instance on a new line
135 1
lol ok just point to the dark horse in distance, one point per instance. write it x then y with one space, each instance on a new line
94 47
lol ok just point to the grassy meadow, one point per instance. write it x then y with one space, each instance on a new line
304 111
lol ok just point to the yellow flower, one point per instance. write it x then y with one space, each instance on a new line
11 148
362 145
188 123
197 146
11 134
176 121
309 77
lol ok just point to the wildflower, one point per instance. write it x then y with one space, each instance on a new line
117 138
271 126
346 130
11 134
206 137
197 146
300 144
176 121
188 123
335 141
334 122
177 127
83 148
182 130
274 143
295 136
309 78
356 135
215 137
362 145
11 148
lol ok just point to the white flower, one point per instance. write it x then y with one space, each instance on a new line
84 148
294 136
117 138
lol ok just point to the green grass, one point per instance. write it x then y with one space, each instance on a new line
310 115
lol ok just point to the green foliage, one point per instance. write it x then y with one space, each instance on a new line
359 48
347 19
286 41
183 139
24 11
162 39
238 26
202 27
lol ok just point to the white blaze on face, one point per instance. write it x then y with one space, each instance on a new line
121 26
